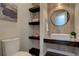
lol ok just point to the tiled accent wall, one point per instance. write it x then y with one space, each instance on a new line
69 27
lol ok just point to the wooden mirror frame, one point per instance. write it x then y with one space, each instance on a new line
68 16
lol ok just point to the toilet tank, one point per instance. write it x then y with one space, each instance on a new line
10 46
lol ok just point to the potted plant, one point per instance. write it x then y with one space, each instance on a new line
73 34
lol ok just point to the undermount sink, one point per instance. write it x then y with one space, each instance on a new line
60 36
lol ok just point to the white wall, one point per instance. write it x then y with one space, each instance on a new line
24 30
43 19
7 30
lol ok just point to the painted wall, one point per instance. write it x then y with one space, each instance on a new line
7 30
24 30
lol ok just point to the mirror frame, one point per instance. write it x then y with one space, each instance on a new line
68 17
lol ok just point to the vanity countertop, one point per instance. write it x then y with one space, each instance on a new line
61 42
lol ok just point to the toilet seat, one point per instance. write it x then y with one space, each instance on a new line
22 53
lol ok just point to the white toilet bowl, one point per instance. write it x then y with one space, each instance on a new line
11 47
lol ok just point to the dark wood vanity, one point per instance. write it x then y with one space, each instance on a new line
62 42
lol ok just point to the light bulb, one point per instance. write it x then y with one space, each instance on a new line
59 5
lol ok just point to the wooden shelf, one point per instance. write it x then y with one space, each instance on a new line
34 23
61 42
34 51
34 37
34 9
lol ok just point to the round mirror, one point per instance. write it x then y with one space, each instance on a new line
60 17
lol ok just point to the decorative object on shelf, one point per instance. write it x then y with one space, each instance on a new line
73 35
35 4
35 34
34 13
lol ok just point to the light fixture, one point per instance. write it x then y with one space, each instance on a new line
59 5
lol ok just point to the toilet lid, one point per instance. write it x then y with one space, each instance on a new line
22 53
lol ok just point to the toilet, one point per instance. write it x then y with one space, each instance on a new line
11 47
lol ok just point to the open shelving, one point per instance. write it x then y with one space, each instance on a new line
34 23
34 37
34 15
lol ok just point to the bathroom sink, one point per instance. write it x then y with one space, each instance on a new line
60 37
